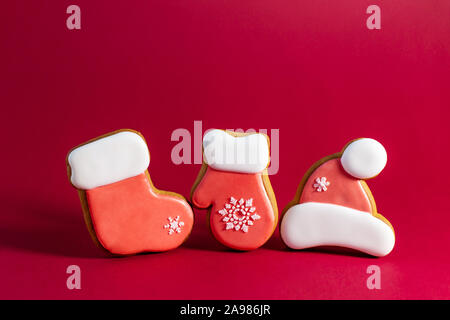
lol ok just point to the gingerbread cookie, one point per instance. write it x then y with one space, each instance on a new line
233 184
334 206
124 212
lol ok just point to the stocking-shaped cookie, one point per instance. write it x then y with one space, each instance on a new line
233 184
334 205
124 212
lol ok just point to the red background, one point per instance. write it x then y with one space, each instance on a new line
309 68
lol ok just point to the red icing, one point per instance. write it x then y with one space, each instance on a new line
216 188
343 190
129 216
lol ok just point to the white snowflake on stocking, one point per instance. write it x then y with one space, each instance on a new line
239 215
174 225
321 184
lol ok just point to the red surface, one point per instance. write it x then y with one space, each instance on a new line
310 68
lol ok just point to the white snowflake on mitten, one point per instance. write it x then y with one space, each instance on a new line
174 225
321 184
239 215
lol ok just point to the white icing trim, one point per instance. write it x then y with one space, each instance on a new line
313 224
107 160
364 158
246 154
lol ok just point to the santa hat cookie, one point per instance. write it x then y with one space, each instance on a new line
124 212
233 185
334 206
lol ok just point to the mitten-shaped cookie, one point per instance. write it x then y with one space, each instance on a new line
334 206
233 184
124 212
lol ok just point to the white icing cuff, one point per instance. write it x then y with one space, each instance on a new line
313 224
245 154
364 158
107 160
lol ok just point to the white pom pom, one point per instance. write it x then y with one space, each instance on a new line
364 158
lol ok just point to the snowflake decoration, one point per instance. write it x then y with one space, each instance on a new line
239 215
174 225
321 184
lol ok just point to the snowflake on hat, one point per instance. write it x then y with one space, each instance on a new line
321 184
